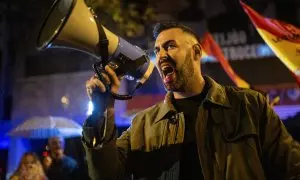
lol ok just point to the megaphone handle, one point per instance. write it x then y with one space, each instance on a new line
98 69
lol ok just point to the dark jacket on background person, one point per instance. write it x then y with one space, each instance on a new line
239 137
63 169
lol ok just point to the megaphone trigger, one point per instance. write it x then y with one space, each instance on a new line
99 69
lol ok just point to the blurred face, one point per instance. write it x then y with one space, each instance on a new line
29 167
29 162
175 58
56 147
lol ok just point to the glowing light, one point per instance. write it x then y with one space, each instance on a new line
286 111
4 142
152 56
128 77
65 100
90 108
208 59
264 51
49 45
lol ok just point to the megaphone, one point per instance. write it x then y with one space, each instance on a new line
71 24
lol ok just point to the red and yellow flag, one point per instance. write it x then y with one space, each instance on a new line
211 48
282 38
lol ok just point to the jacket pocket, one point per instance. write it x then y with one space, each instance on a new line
154 135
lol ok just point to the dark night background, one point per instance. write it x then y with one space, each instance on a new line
21 19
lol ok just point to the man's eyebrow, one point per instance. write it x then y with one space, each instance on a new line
166 43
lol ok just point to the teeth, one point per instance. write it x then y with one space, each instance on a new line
164 68
165 65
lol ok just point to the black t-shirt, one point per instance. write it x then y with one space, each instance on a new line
190 167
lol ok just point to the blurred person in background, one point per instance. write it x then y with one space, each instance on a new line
57 165
30 168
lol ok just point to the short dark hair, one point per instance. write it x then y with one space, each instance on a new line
165 25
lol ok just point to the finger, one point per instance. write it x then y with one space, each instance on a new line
115 80
93 77
98 84
106 78
94 83
88 83
89 91
91 86
91 83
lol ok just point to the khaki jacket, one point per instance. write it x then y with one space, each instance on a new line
239 137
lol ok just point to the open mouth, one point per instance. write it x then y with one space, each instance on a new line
167 69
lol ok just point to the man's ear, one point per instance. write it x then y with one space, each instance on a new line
197 51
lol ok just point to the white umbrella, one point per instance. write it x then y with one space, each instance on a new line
44 127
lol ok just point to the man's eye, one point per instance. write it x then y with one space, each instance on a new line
171 46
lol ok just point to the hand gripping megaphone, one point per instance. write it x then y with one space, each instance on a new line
71 24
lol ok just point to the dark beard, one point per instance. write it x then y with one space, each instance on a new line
183 75
187 70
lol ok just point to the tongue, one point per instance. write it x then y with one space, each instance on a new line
169 78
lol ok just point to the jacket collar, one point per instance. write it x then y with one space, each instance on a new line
216 95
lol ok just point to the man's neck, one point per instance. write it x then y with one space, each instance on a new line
193 88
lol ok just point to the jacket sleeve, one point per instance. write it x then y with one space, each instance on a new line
281 153
106 159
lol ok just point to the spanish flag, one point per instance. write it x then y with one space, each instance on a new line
282 38
211 48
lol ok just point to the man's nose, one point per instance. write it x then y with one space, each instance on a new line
162 54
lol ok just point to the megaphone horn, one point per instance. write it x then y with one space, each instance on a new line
71 24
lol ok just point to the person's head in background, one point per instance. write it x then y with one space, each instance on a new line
56 146
29 167
178 53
